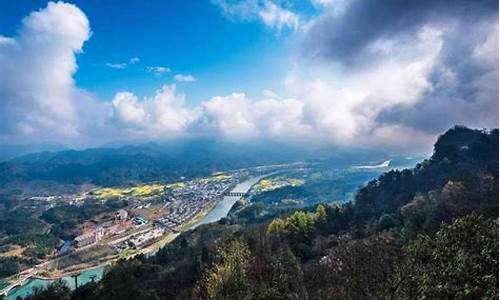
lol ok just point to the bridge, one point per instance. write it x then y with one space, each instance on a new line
5 291
236 194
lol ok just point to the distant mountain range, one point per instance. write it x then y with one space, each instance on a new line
112 166
420 233
8 151
146 162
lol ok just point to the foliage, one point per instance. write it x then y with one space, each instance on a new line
426 233
8 266
228 279
459 262
56 290
298 226
320 215
65 218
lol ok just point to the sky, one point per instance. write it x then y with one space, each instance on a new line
381 74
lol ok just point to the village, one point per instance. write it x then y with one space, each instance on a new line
146 219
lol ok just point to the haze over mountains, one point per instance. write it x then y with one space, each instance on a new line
167 161
9 151
420 233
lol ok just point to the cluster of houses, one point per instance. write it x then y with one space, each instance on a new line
144 239
117 226
185 202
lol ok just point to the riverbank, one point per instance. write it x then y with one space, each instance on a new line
210 214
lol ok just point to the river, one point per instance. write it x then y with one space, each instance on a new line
220 210
27 288
223 207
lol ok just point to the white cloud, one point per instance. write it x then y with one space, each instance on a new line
346 110
238 117
157 70
270 94
323 2
277 17
121 66
6 40
128 110
486 53
268 12
37 92
134 60
117 66
163 115
353 105
184 78
337 6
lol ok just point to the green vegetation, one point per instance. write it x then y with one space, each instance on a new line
329 185
66 218
150 162
8 266
458 262
35 235
426 233
22 227
270 184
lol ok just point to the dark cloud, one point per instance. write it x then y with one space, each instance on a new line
344 37
464 77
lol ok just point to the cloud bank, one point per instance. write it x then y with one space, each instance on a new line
365 74
37 91
402 70
163 115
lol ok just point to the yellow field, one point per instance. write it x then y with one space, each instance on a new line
221 176
274 183
146 190
215 177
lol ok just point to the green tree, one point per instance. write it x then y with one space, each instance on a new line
459 262
58 290
320 215
276 227
228 279
287 280
300 225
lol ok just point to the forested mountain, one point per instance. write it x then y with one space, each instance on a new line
141 163
11 151
164 162
430 232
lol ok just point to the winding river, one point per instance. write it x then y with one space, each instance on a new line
223 207
27 288
220 210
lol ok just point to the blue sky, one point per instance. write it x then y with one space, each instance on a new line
385 74
189 37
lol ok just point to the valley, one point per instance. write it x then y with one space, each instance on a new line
100 225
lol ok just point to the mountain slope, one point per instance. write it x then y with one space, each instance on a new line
11 151
148 162
426 233
161 162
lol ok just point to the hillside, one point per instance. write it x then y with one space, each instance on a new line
170 161
11 151
140 163
430 232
